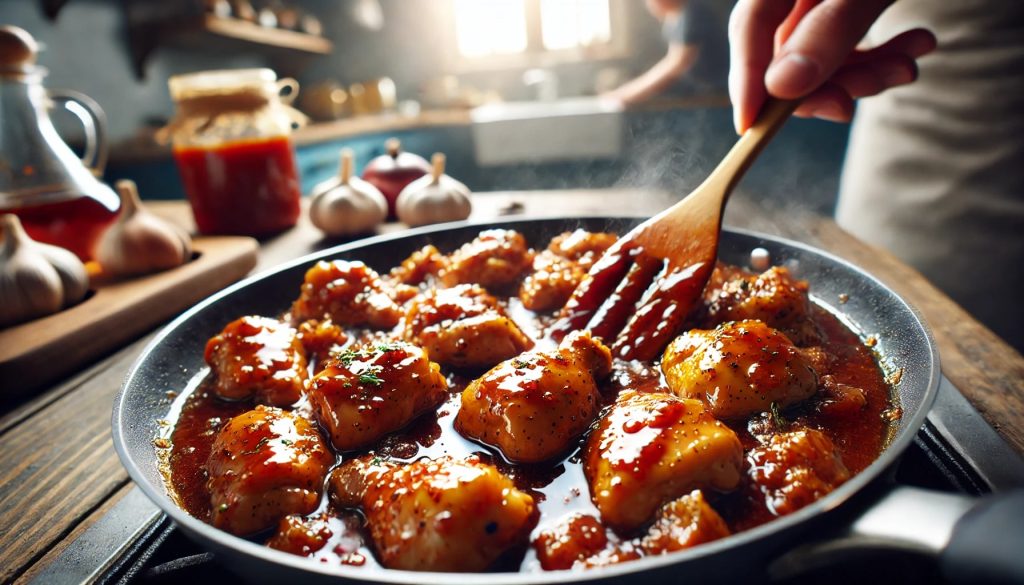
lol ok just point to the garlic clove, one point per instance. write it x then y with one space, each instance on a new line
347 205
140 242
36 279
434 198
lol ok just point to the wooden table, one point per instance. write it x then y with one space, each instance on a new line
60 473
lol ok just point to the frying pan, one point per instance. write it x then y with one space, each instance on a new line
957 529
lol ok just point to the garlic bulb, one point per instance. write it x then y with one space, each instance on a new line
140 242
347 205
434 198
36 279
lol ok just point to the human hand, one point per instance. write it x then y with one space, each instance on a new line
807 49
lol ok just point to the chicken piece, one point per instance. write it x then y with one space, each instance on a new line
436 514
795 468
301 536
534 406
349 293
571 541
368 392
495 259
265 464
560 268
551 283
774 297
683 523
649 448
420 265
322 337
464 327
258 357
582 246
738 369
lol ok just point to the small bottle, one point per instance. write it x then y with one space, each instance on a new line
231 141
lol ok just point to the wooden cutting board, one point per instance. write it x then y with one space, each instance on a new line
116 312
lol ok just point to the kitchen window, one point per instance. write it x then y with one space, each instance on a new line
495 33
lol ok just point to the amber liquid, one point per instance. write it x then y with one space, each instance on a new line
76 224
244 188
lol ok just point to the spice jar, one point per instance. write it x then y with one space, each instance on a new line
234 154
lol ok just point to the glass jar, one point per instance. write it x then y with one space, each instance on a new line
232 147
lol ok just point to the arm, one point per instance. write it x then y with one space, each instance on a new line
806 49
678 60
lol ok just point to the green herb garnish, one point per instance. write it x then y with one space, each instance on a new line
780 421
370 376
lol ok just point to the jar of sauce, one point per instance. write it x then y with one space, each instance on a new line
232 147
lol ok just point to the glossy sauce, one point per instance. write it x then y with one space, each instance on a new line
559 487
242 188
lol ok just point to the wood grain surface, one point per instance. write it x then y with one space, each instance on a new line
43 350
59 471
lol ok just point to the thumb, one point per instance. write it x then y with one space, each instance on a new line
819 45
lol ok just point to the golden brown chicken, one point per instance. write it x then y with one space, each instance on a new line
775 297
560 268
265 464
258 357
582 246
572 540
321 338
436 514
683 523
795 468
349 293
650 448
372 390
738 369
533 407
300 535
420 265
464 327
495 259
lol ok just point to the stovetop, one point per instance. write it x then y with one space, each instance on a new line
955 451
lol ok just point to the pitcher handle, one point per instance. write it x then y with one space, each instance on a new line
93 120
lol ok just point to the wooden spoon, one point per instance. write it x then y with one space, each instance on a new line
643 287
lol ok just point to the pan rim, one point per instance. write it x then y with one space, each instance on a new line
855 485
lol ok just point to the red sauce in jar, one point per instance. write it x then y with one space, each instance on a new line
75 224
242 188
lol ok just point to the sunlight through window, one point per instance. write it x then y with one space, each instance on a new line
490 27
566 24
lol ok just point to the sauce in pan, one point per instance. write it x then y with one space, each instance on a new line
844 365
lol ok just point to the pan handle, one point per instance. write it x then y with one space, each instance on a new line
974 540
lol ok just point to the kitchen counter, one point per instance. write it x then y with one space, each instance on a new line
144 147
60 473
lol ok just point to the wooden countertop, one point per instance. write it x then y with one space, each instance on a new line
60 473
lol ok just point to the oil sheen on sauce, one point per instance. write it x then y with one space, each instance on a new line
558 487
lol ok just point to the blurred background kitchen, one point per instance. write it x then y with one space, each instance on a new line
508 89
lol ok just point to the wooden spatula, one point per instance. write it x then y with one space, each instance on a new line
636 296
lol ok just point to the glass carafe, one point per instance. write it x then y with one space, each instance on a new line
54 192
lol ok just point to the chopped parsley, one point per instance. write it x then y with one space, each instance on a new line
348 356
287 442
370 376
520 363
777 417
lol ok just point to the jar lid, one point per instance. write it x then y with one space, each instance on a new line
223 81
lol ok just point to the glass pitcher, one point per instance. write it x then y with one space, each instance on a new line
57 195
